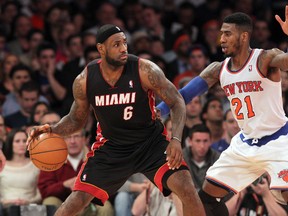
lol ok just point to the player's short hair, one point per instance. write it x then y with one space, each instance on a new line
242 21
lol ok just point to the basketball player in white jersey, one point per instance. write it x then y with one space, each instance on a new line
251 79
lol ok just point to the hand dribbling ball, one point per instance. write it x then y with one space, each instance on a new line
48 151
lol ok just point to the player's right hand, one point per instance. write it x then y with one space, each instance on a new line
174 156
36 131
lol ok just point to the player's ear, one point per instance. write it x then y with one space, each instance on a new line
99 47
245 36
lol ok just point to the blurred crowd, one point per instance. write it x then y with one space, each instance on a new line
45 44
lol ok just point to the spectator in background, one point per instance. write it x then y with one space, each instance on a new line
140 42
88 39
51 118
198 60
29 95
56 186
193 112
198 154
21 27
18 180
231 128
212 115
126 195
186 17
75 49
39 109
55 17
157 47
152 202
3 132
130 13
34 37
261 35
9 11
49 78
3 136
180 63
3 46
6 85
104 13
257 199
62 53
19 75
151 22
39 8
210 35
2 161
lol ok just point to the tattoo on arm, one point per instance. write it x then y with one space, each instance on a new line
157 82
79 111
211 73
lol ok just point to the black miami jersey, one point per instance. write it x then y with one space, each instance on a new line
125 111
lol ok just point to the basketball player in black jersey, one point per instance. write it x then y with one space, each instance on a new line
120 88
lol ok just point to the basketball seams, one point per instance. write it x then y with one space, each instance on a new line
42 152
45 155
55 137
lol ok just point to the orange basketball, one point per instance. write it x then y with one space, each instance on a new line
48 151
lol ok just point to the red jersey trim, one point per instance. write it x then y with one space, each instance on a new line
151 101
91 189
161 172
86 187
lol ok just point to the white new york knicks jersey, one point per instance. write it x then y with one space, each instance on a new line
256 102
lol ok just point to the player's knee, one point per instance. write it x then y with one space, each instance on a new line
79 198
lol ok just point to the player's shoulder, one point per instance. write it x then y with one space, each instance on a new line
270 53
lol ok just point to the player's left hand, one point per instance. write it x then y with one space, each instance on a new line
283 24
174 154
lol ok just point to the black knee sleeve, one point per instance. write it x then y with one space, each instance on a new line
212 206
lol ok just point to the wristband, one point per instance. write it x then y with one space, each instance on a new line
176 138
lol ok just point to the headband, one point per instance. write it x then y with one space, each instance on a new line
106 31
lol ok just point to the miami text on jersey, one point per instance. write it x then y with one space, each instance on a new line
115 99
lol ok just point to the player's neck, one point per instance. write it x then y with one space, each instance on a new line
110 69
240 59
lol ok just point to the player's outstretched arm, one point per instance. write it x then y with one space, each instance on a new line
197 86
77 116
283 24
154 79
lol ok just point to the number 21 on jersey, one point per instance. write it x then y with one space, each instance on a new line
238 104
